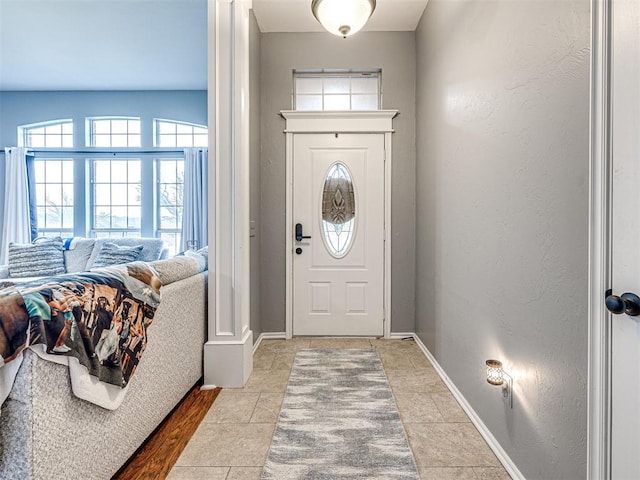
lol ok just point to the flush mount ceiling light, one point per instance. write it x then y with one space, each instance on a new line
343 17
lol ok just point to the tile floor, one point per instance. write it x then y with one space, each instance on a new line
233 440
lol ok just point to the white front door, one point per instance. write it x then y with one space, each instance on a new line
338 201
625 329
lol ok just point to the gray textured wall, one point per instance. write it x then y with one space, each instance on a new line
394 52
254 171
502 216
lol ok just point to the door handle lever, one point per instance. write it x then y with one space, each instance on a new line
628 303
299 235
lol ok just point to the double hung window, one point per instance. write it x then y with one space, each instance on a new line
116 198
54 196
169 199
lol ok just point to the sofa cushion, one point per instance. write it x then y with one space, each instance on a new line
78 253
151 248
44 258
179 267
112 254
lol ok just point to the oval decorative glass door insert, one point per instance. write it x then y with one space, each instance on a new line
338 210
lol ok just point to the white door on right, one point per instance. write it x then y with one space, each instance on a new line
625 326
338 215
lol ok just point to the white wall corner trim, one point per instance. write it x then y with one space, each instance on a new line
228 358
598 432
229 363
508 464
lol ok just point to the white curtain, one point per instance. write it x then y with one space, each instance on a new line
16 226
195 198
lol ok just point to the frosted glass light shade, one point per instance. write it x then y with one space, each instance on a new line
494 372
343 17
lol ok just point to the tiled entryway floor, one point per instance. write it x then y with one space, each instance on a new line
233 440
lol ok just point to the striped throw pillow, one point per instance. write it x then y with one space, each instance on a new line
112 254
44 258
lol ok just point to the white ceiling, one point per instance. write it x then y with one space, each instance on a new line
296 16
139 44
103 44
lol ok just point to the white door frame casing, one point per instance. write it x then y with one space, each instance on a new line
599 390
375 121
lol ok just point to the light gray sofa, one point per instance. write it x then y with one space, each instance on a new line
47 433
84 251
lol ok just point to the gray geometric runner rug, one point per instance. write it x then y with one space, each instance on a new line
339 421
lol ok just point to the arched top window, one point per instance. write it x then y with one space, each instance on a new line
49 134
173 133
113 132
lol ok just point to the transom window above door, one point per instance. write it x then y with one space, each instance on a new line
337 90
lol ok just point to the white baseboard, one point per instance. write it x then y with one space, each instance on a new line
401 335
208 387
508 464
268 336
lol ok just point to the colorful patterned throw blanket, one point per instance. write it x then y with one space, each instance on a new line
99 318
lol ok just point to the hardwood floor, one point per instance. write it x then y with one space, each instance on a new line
156 457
